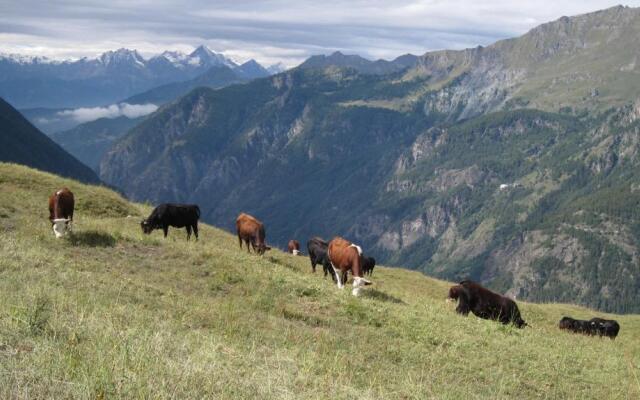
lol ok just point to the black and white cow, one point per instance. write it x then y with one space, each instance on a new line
176 215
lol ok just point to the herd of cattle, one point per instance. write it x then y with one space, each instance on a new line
338 257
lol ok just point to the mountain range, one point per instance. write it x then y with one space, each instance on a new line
32 82
514 164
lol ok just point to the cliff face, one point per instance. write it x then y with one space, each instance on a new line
514 164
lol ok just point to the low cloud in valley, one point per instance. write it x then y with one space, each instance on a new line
82 115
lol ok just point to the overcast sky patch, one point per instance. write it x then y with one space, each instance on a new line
272 31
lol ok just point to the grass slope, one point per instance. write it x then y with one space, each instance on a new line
110 313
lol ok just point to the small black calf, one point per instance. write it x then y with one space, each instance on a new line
367 265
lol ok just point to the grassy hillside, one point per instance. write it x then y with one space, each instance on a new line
110 313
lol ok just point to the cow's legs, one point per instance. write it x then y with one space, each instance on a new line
165 229
247 243
338 276
313 267
195 230
326 269
188 227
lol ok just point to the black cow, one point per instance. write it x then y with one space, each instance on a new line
317 249
575 325
593 327
367 264
605 327
176 215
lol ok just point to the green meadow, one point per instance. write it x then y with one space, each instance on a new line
108 312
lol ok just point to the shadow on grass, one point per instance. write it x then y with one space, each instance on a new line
91 239
306 319
283 264
381 296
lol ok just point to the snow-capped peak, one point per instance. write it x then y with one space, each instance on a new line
276 68
27 59
174 57
205 57
122 56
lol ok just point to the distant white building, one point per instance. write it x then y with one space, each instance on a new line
507 186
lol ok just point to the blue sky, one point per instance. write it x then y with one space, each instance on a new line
272 31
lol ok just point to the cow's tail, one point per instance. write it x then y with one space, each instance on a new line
198 212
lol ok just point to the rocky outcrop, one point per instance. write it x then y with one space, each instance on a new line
442 181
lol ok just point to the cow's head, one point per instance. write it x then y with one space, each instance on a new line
520 323
261 248
358 283
147 226
60 226
454 293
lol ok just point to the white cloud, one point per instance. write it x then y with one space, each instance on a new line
86 114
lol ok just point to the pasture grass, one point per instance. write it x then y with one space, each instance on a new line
111 313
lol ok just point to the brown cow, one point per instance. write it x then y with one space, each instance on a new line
344 257
61 205
484 303
251 231
294 247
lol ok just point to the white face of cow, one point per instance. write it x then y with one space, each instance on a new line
60 227
295 252
358 283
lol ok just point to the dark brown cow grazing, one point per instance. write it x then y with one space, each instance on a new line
294 247
61 205
251 231
485 303
344 257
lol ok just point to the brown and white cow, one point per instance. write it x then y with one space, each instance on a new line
344 256
294 247
61 205
251 231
